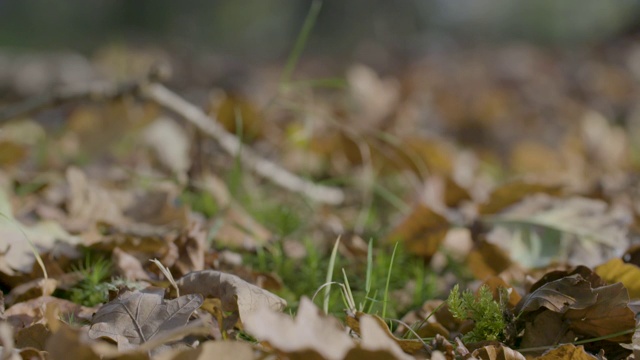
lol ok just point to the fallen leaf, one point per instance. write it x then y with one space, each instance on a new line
497 352
513 192
171 145
422 231
577 231
136 317
615 270
567 352
381 335
571 292
213 350
233 292
588 311
310 335
31 290
127 266
34 336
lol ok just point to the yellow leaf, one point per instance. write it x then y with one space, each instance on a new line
615 270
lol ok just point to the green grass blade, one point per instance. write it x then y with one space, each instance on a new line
369 279
329 278
351 303
301 41
386 287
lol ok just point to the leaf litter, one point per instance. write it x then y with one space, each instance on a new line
540 228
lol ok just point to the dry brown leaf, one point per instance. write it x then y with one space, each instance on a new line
376 337
513 192
422 231
34 336
495 283
497 352
127 266
213 350
567 352
589 311
615 270
31 290
376 98
233 292
136 317
310 335
74 343
89 203
240 230
571 292
171 144
237 113
192 245
381 334
578 231
487 260
29 312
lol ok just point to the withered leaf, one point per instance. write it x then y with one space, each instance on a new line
511 193
422 231
497 352
615 270
578 231
571 292
311 335
233 292
135 317
212 350
588 311
567 351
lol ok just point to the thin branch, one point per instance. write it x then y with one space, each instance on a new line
154 92
263 167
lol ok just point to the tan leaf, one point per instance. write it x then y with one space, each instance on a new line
233 292
310 335
378 332
128 266
578 231
615 270
34 336
136 317
213 350
497 352
26 313
31 290
240 230
376 98
567 352
171 144
89 203
513 192
422 231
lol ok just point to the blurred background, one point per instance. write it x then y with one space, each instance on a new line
266 29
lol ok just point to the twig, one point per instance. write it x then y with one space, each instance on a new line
98 91
263 167
152 91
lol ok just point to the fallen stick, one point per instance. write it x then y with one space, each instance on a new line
157 93
232 145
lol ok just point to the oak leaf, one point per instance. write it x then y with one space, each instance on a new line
135 317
